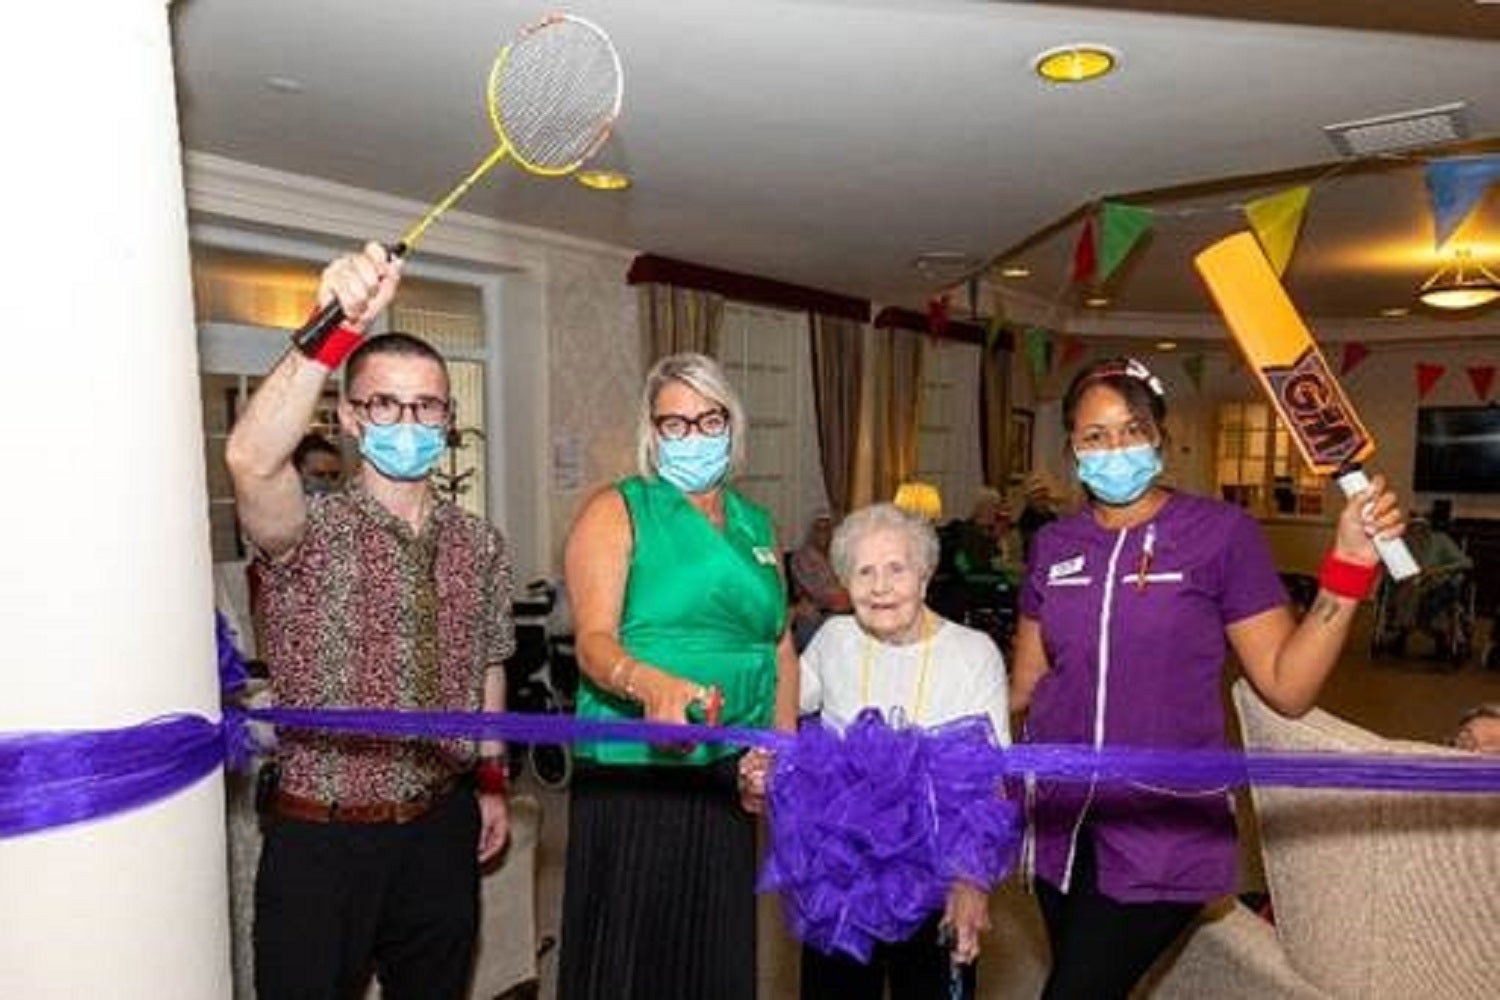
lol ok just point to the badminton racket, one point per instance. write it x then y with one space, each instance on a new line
553 95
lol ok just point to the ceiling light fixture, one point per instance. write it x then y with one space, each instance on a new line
1462 283
1077 63
603 180
1395 312
1096 301
1166 345
1015 271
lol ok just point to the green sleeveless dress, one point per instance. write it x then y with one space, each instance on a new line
706 605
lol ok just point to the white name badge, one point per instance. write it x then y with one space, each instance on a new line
765 556
1068 567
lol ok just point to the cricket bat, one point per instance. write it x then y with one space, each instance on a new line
1280 350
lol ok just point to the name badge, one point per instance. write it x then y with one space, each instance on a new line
765 556
1068 567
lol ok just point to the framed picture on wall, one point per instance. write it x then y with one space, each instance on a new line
1021 422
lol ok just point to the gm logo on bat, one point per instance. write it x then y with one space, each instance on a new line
1321 417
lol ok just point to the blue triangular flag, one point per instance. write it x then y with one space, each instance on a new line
1455 186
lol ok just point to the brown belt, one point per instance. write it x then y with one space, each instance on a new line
312 811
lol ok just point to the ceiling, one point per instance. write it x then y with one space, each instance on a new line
829 142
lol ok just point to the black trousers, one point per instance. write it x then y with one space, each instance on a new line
1101 947
335 900
918 969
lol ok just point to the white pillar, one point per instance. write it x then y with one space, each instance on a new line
105 598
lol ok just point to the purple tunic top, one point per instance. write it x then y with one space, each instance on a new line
1133 626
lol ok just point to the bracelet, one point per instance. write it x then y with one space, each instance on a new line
622 681
1346 579
491 776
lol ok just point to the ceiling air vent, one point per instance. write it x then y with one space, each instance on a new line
1403 130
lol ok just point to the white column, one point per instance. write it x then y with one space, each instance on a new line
105 598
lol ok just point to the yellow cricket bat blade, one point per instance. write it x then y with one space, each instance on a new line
1280 350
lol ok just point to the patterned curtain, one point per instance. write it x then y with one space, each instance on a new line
675 319
837 360
897 385
994 416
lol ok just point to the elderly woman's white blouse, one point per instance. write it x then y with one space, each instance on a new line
965 676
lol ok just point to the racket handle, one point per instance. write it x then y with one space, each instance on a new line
316 330
1393 551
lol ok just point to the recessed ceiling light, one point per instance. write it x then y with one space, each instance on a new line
603 180
1096 301
1395 312
1015 271
1077 63
946 265
1166 345
285 84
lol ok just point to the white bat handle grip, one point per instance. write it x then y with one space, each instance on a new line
1393 551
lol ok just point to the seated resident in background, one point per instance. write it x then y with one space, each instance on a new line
1479 730
319 464
1428 601
985 547
896 654
816 590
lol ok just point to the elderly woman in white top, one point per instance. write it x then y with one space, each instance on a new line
896 654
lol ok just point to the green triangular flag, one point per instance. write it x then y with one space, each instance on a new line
1122 227
1277 219
1037 350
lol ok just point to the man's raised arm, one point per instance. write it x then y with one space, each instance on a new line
268 492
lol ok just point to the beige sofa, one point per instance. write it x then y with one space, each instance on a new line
1376 894
507 943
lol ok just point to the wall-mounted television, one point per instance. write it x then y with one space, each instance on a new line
1458 449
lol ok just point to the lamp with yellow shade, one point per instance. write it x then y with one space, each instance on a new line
919 498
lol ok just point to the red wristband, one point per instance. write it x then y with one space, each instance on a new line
331 350
491 777
1346 579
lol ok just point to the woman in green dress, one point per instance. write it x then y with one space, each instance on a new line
678 602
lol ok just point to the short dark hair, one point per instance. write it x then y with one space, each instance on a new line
395 344
310 445
1141 390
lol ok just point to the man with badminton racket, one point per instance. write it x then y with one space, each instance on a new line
381 595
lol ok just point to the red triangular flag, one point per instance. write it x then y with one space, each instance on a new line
1072 350
937 315
1354 353
1085 258
1482 376
1427 377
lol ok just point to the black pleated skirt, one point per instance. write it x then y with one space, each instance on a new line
659 902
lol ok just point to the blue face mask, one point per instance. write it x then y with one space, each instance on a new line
693 464
403 451
1119 476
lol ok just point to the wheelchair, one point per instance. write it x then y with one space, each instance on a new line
541 677
1440 608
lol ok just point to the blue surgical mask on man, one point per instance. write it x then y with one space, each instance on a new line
1119 476
404 451
694 463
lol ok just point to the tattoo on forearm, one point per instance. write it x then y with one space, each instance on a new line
1325 608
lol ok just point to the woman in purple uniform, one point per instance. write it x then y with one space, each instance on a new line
1125 615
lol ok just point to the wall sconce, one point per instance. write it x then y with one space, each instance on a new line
921 499
1460 284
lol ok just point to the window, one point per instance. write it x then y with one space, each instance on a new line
247 301
1258 466
765 354
948 423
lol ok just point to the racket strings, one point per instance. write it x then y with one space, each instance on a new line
556 95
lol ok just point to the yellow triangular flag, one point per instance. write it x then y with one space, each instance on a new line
1277 219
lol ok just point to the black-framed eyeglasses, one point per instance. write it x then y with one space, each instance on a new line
383 409
675 426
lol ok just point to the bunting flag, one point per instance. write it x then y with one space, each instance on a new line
1427 377
1193 365
1455 185
937 315
1277 220
1038 346
1072 350
991 332
1085 259
1354 353
1482 377
1122 228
